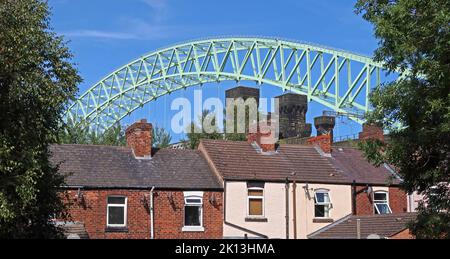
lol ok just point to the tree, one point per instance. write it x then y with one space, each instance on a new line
161 138
78 133
37 79
414 39
197 132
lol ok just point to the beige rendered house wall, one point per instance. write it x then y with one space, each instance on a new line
274 223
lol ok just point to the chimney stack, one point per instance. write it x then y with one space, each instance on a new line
266 136
324 138
139 138
371 131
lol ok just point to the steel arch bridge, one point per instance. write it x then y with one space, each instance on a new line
338 79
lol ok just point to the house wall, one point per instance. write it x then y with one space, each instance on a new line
398 200
340 196
274 225
169 216
168 219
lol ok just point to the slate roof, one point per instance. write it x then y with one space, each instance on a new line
116 167
351 163
73 230
239 160
385 226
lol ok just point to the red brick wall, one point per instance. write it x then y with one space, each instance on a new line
397 201
167 221
169 216
364 205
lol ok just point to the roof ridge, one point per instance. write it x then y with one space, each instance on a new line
91 145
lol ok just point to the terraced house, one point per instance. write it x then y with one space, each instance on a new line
232 189
137 192
292 190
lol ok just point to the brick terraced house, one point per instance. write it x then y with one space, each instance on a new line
231 189
292 190
136 192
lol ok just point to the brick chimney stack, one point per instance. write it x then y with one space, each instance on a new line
324 139
139 138
265 136
371 131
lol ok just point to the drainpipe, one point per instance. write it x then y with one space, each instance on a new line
152 232
294 200
358 228
354 197
287 208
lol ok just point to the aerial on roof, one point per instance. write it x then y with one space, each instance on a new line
384 226
239 160
116 167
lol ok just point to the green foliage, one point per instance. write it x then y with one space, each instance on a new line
160 137
414 35
37 80
77 133
73 133
197 132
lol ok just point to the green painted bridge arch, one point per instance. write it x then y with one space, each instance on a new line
338 79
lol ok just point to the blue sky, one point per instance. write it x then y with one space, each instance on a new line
106 34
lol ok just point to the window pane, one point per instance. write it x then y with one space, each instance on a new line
192 215
116 215
319 211
380 196
116 200
255 193
194 201
383 208
255 207
320 197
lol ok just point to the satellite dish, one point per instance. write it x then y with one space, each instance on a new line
373 236
73 236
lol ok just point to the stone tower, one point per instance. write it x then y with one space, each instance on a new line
293 108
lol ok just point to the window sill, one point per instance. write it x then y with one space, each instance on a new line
193 229
323 220
116 229
255 219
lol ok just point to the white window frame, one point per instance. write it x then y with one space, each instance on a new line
125 211
329 204
193 195
375 202
256 197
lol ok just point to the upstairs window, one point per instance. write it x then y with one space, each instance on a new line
116 211
255 196
193 211
381 203
322 204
